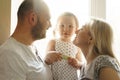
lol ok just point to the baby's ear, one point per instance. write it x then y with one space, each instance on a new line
77 28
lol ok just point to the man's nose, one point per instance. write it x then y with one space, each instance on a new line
49 23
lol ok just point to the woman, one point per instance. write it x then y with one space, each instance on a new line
95 41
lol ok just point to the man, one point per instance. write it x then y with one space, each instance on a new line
18 59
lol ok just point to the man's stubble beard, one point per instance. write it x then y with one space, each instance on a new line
38 31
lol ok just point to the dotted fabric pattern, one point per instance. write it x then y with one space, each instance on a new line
105 61
92 70
61 69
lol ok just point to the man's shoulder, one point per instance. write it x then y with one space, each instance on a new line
8 44
9 47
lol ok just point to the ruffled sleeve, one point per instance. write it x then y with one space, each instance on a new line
105 61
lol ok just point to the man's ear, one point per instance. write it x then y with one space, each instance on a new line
32 18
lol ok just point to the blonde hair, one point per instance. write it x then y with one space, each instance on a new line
102 36
70 15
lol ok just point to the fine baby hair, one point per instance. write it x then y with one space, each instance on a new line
65 14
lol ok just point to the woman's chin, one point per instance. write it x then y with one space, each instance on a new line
74 42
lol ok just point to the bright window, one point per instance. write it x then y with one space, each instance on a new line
113 16
14 8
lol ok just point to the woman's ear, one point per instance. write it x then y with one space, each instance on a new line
90 40
32 18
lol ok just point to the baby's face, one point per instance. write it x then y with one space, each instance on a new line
66 26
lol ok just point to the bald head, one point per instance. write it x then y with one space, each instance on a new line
33 21
37 6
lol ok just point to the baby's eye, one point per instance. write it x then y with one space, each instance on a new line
61 25
71 26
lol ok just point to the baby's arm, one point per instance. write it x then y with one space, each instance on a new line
78 61
52 55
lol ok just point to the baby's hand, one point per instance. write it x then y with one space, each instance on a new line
52 57
65 57
74 62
